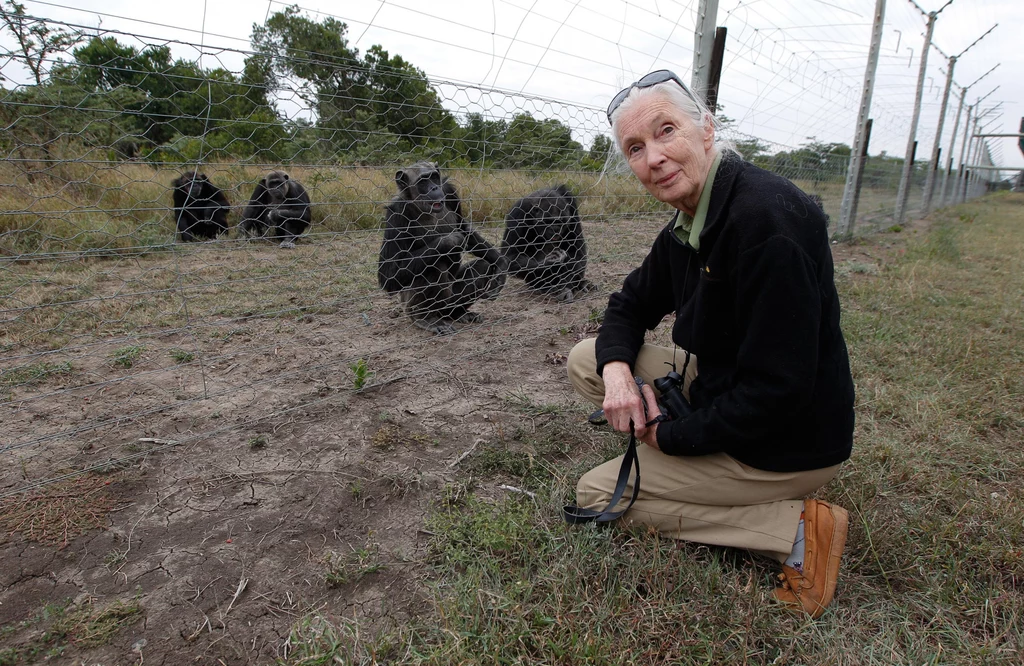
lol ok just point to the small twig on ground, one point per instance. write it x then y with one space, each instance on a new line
464 454
204 624
242 583
513 489
157 440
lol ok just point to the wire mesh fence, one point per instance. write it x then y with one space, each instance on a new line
121 340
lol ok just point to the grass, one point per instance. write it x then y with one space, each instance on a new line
115 208
352 567
57 626
36 372
181 356
258 442
361 374
934 565
125 208
391 436
125 357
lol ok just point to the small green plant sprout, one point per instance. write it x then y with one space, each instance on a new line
181 356
258 442
125 357
350 568
362 374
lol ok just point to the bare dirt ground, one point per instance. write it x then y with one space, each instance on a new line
233 493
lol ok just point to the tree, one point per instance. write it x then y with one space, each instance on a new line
752 149
403 100
193 112
332 80
378 100
602 145
36 39
481 141
814 160
543 144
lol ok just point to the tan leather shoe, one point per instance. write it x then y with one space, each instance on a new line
825 527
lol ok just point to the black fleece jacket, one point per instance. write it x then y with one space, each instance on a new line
757 305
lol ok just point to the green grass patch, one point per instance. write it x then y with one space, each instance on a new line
48 634
258 442
342 569
361 374
36 372
125 357
182 356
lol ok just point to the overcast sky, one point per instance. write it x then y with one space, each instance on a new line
793 68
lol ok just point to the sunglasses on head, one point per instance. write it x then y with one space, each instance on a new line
652 79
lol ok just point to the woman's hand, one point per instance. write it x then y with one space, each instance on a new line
649 436
622 402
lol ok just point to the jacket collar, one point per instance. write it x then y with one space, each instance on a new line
729 169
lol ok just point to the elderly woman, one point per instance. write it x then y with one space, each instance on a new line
746 267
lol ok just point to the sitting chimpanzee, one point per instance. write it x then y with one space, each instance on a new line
425 235
544 244
279 207
200 208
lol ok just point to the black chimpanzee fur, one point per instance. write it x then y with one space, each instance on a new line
425 235
200 208
544 244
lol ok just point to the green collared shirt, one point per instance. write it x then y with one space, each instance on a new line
689 228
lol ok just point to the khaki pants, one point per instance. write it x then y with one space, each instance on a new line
712 499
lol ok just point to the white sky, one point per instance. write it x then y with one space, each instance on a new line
793 68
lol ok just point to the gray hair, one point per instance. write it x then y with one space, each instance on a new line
692 107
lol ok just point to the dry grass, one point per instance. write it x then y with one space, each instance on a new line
84 207
127 206
57 513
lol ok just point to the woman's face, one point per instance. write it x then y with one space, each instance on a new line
668 153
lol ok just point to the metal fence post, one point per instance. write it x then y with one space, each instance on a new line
952 147
908 165
861 164
715 76
957 193
933 164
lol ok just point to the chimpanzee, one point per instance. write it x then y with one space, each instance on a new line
280 207
425 235
200 208
544 244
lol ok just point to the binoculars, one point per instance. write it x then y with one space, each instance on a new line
672 402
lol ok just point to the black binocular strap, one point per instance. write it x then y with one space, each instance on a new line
575 515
